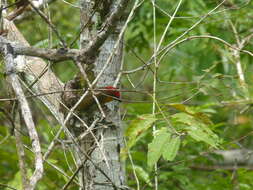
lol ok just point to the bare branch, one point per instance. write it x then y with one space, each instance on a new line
86 55
39 4
219 167
52 26
27 115
186 40
49 54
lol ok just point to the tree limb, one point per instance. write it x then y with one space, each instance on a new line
27 115
49 54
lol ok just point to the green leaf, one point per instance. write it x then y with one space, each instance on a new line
143 175
182 108
192 111
137 127
197 129
136 130
171 148
52 161
16 182
157 146
183 118
202 135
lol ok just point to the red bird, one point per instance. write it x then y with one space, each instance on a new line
103 94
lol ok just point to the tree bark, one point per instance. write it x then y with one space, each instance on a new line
106 171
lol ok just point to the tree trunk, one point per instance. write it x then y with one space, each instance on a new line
103 169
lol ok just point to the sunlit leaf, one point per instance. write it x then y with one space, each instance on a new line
189 110
197 129
16 182
201 135
171 148
157 146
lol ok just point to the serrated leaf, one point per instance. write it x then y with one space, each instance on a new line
143 175
156 147
171 149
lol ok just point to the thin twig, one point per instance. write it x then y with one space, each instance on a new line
53 166
76 172
7 186
155 49
175 41
44 17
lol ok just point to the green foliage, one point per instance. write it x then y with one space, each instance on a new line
143 175
163 144
158 146
172 148
198 92
136 131
201 102
16 181
198 130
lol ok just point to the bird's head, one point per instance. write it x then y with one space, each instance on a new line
112 91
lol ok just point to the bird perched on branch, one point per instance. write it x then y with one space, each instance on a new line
104 95
72 94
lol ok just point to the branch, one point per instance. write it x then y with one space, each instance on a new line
50 24
236 156
27 115
49 54
186 40
7 186
39 4
86 55
219 167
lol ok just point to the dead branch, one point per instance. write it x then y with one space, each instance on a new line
27 115
49 54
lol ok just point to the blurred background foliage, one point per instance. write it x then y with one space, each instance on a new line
199 73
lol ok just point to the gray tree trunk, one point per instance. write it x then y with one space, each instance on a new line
106 170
